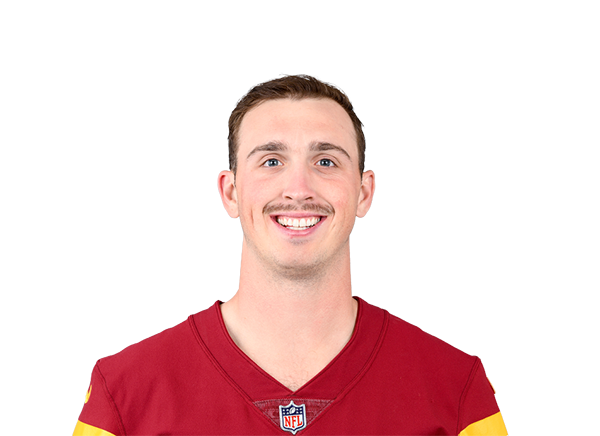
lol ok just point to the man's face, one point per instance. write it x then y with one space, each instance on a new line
298 188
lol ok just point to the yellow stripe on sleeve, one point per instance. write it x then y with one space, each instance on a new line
490 426
83 429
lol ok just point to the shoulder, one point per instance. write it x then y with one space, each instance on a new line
128 388
166 352
409 338
409 353
423 369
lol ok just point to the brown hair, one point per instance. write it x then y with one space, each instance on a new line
297 88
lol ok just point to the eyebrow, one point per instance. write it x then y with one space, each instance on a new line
269 146
314 146
324 146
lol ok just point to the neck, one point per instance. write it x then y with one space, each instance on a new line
272 304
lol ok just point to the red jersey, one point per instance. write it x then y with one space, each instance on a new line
391 378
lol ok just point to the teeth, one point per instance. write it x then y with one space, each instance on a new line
298 224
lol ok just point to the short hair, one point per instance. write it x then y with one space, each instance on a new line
297 88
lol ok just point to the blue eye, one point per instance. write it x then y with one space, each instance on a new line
326 163
272 163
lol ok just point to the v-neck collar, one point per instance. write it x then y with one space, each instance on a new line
258 386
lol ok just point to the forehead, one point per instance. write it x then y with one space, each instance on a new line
298 122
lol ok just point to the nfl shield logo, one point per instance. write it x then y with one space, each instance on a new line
292 417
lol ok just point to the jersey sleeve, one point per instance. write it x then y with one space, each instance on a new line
99 416
479 414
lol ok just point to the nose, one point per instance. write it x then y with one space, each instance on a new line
297 184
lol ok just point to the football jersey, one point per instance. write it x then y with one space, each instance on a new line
192 379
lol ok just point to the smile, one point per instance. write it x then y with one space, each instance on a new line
298 223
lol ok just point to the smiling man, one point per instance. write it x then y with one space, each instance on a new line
293 350
297 189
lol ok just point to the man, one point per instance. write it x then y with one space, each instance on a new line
292 351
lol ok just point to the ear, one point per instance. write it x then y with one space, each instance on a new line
367 189
228 193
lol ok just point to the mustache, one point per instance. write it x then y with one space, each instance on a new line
270 209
